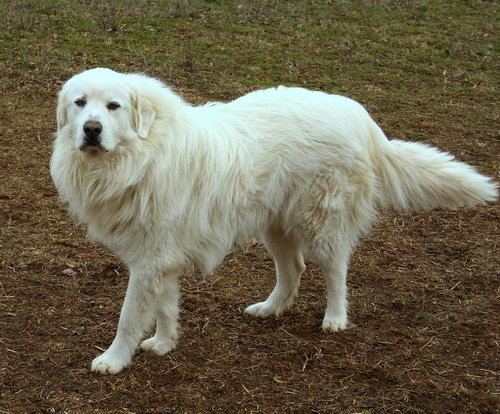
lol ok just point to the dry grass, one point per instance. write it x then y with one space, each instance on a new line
424 287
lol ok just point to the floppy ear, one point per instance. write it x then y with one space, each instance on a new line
61 116
144 115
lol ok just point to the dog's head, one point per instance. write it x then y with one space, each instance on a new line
99 109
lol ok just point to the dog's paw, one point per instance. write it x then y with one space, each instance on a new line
109 363
158 347
263 310
332 324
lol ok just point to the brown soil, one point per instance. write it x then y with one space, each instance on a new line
423 292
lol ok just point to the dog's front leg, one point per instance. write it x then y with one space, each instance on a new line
167 313
143 291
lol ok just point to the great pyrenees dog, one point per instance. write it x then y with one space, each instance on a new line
165 184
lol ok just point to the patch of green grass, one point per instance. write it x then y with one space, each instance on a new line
269 41
380 52
407 62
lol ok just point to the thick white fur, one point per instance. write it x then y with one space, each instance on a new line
176 184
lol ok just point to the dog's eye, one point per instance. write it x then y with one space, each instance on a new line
80 102
113 106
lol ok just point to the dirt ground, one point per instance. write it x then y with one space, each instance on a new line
423 295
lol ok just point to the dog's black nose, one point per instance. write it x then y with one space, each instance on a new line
92 130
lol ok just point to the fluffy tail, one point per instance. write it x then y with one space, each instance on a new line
415 176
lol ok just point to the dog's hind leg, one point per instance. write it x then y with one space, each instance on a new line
336 223
167 313
136 315
332 249
334 269
289 267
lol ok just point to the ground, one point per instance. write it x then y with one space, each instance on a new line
423 286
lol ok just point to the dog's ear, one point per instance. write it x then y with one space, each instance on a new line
144 115
61 115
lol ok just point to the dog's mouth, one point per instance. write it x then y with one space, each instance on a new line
92 148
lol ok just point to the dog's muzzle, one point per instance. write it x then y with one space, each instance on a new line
92 130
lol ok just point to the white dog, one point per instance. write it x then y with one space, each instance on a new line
165 184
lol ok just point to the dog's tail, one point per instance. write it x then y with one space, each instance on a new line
415 176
